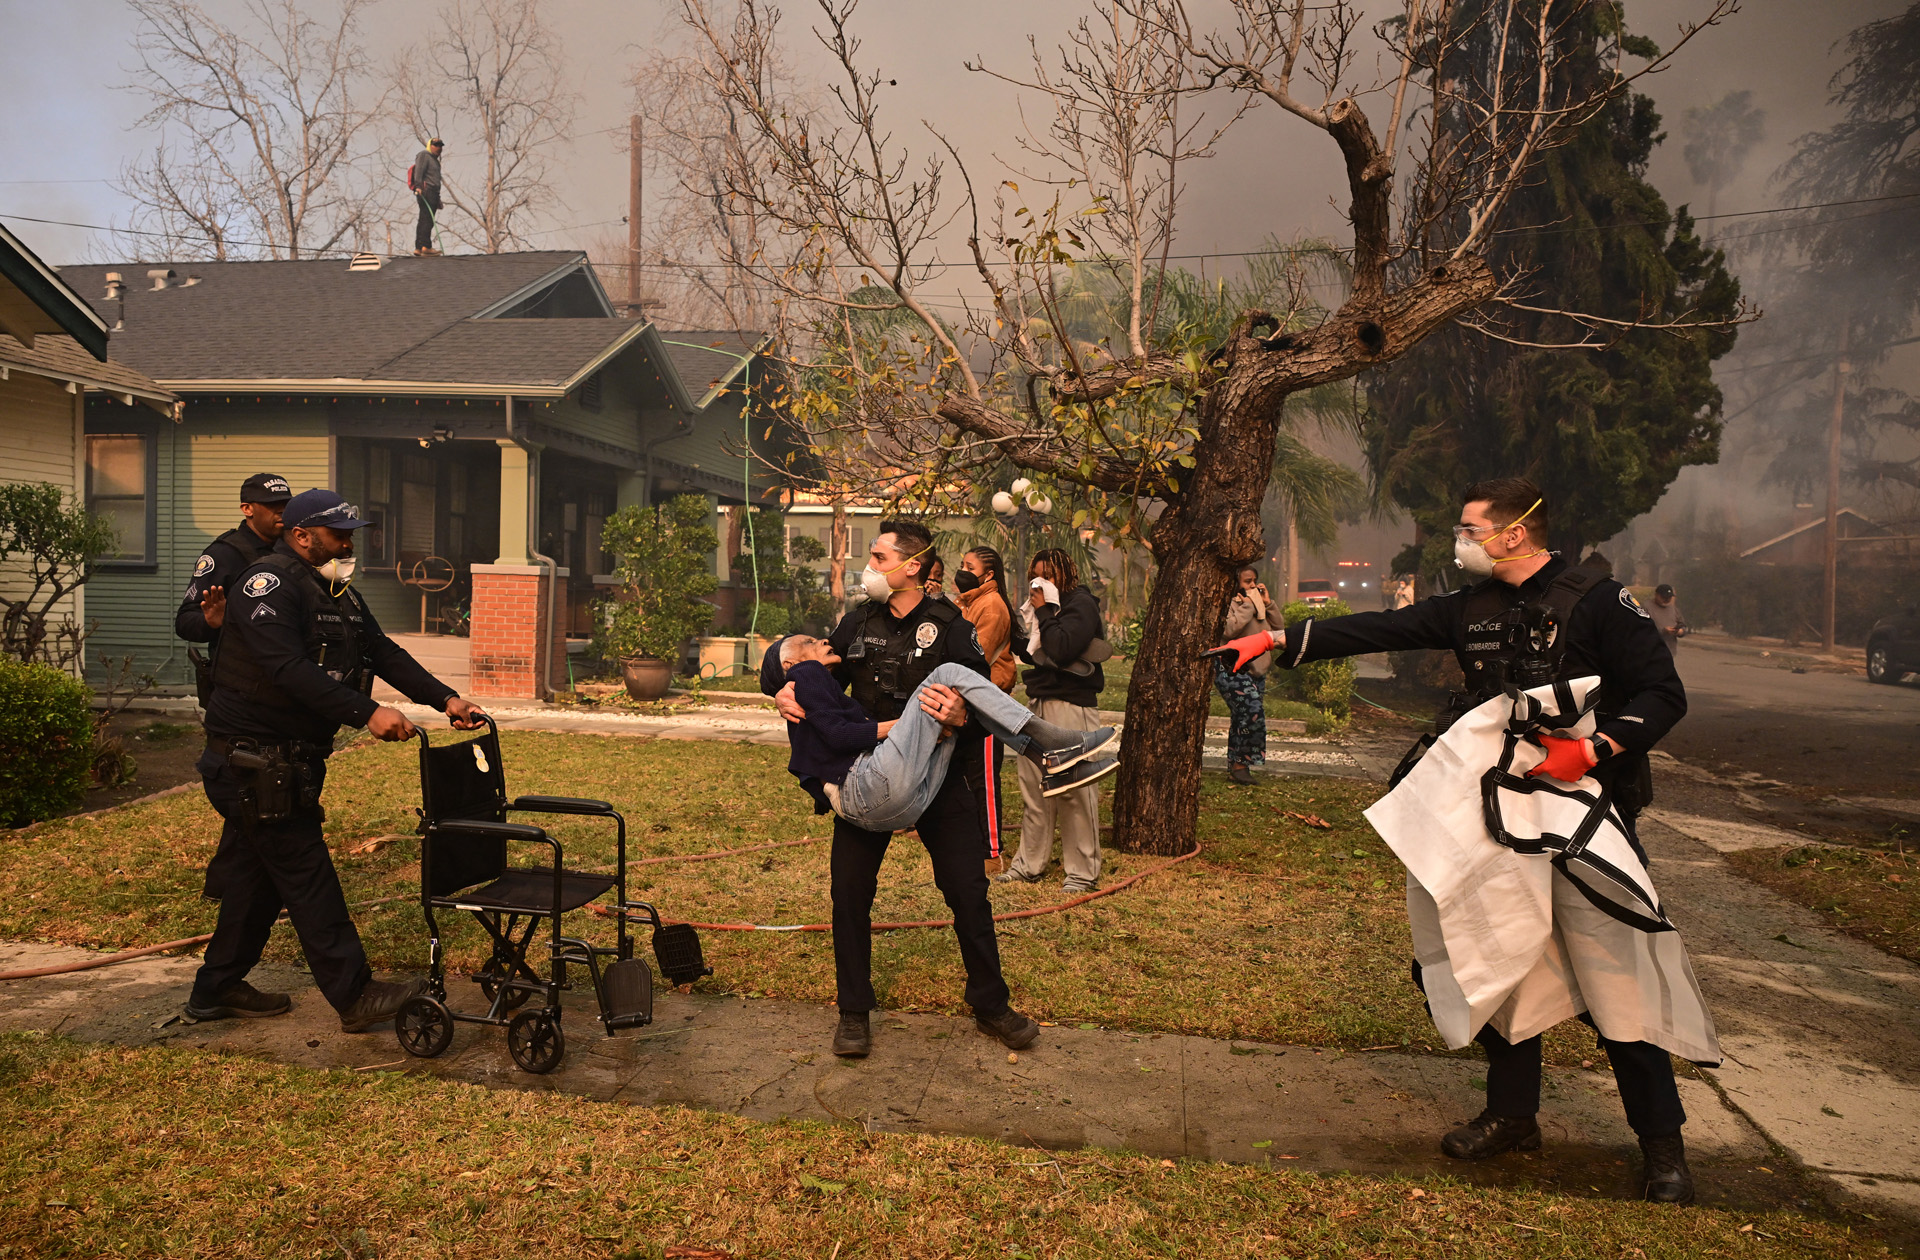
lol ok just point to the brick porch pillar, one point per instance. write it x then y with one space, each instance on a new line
510 606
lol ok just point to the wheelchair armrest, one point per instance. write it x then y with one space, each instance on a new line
490 829
559 805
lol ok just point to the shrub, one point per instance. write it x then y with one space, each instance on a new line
766 618
663 558
46 742
1326 685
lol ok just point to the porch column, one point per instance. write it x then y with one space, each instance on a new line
516 493
510 597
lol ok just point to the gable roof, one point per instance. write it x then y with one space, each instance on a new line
63 359
706 361
34 300
312 320
557 353
1817 523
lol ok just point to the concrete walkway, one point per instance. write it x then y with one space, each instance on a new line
1166 1095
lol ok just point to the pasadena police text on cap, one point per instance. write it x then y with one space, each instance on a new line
311 509
265 488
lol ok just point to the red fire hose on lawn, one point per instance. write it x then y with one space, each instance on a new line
187 942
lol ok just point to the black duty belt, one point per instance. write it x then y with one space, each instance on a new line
295 750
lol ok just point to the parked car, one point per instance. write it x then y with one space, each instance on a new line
1893 646
1316 591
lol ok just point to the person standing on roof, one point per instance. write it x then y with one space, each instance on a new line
424 180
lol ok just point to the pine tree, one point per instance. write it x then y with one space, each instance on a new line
1603 430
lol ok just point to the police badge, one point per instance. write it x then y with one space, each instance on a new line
923 637
261 584
204 566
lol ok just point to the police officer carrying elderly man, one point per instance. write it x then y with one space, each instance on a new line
1622 971
887 648
297 655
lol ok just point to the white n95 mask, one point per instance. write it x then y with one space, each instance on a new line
1473 557
340 569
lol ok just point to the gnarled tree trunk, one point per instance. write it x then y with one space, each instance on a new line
1212 526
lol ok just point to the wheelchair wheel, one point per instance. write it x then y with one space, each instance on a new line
423 1028
535 1041
491 977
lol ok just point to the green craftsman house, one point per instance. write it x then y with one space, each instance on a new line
487 412
54 372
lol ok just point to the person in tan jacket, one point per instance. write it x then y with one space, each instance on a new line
980 584
980 588
1250 610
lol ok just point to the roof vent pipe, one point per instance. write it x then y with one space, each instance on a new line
160 276
115 286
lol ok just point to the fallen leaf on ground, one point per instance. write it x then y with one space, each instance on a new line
373 845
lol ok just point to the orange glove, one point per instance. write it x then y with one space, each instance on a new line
1568 760
1242 650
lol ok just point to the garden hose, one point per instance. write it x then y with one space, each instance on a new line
187 942
746 469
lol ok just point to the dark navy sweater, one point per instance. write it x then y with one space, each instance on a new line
836 731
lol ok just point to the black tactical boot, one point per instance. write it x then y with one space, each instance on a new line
1487 1135
853 1039
1015 1031
1666 1175
380 1001
238 1000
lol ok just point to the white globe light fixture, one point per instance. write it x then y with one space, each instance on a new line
1003 504
1021 485
1040 504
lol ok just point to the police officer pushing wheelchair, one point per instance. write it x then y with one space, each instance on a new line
297 657
1529 619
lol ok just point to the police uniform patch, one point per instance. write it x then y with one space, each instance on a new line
924 637
193 590
262 610
261 584
1631 604
204 566
973 632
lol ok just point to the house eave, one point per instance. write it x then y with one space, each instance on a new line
359 387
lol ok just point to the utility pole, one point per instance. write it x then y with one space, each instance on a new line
1829 591
634 152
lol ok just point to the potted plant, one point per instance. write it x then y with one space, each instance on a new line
663 572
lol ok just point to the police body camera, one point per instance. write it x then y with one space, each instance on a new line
1531 637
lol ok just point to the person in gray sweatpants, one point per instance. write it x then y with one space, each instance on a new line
881 776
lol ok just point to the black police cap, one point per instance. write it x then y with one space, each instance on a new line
265 488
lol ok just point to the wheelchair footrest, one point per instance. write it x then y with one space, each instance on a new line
677 949
628 988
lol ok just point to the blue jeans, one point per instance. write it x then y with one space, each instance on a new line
892 784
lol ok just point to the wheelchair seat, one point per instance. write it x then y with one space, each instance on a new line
531 892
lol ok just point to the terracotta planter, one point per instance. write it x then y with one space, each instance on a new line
647 677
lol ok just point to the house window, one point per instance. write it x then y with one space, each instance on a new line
120 473
376 545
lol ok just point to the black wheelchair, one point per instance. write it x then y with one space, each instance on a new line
464 839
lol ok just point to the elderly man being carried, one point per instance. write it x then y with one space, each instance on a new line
882 775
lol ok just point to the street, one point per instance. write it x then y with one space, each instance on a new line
1829 732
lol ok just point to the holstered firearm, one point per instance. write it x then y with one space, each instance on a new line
266 777
202 675
277 780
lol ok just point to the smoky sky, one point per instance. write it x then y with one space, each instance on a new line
70 130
